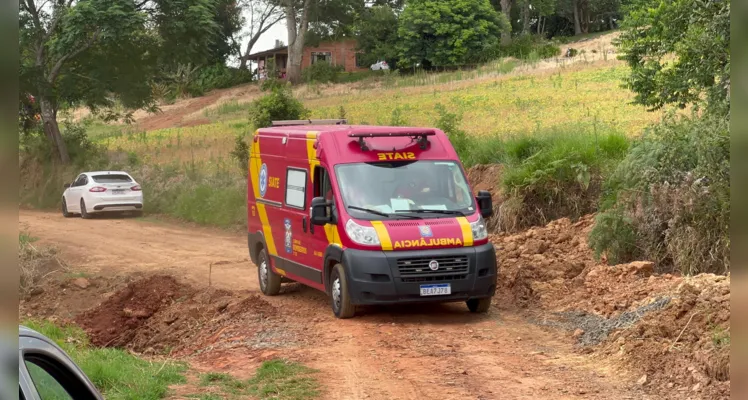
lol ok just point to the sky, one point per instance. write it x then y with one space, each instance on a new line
267 40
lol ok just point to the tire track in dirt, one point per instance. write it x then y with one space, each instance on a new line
399 352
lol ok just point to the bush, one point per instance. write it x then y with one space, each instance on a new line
83 152
241 154
218 76
556 174
322 72
669 199
279 104
270 84
525 47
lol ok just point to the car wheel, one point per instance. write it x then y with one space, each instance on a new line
270 282
339 294
65 212
480 306
84 213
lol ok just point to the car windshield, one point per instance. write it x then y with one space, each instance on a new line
404 189
111 178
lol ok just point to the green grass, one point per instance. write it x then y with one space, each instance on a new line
25 238
276 379
116 373
229 107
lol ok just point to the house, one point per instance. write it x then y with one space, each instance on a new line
339 52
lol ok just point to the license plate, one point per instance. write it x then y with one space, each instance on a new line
118 191
436 289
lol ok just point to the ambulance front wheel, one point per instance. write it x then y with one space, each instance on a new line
339 294
480 306
270 282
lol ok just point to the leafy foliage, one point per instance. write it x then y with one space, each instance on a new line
525 47
118 374
679 52
669 199
279 104
377 35
447 33
556 174
322 72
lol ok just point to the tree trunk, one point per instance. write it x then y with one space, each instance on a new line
526 18
52 129
506 9
538 31
577 26
296 34
610 22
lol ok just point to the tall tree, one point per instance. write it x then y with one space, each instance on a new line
506 9
679 53
263 15
230 21
297 24
94 52
376 34
448 32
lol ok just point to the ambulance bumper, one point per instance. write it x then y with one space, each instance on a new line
378 277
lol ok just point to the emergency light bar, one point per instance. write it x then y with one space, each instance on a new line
292 122
419 135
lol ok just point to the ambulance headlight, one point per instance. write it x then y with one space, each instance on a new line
480 231
364 235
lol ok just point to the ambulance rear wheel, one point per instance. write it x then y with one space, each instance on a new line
270 282
339 297
480 306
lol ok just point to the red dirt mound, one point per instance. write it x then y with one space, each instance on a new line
159 315
115 321
487 177
674 329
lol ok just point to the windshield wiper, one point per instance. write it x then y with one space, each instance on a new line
375 212
422 211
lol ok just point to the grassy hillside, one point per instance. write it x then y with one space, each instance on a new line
500 113
580 96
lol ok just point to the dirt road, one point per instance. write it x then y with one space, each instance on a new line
413 352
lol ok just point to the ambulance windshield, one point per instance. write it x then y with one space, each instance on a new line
404 189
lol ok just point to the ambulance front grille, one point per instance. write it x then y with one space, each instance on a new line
419 266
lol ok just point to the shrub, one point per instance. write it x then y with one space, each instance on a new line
556 174
270 84
449 123
669 199
279 104
322 72
217 76
241 154
524 47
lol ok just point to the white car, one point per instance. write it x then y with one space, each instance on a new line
102 191
380 65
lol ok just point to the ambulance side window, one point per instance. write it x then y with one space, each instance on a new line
323 187
296 188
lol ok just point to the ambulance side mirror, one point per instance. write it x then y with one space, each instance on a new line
485 204
320 211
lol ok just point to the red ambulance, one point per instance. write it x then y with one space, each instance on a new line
368 214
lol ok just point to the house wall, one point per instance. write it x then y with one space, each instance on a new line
343 53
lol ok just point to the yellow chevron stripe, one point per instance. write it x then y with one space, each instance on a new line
255 164
384 236
467 232
311 152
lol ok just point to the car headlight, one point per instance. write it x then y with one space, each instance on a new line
479 229
364 235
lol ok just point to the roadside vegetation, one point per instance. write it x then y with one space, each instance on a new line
116 373
275 379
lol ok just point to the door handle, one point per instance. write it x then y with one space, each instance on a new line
303 223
